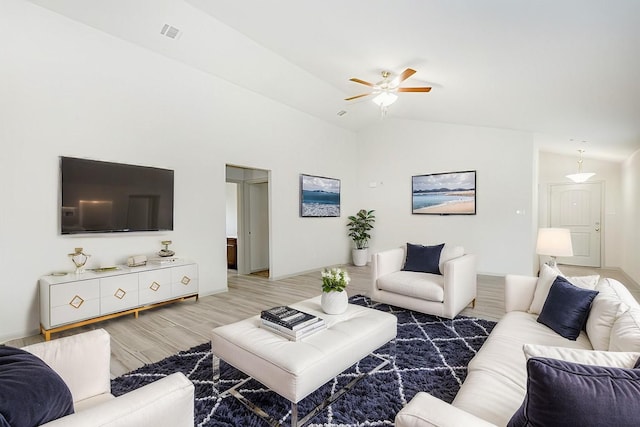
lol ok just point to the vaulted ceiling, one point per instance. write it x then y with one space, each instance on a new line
564 70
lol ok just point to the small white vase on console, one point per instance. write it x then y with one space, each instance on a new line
334 302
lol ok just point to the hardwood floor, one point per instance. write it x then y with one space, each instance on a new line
160 332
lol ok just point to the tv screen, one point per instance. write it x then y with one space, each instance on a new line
104 197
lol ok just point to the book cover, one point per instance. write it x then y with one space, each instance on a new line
288 317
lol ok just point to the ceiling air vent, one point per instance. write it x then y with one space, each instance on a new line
170 31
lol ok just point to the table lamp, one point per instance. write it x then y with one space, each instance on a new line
554 242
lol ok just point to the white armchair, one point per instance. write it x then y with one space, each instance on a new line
83 362
443 295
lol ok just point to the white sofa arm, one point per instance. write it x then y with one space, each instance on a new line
166 402
82 360
425 410
460 283
518 292
386 262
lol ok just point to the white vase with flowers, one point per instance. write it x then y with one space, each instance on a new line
334 298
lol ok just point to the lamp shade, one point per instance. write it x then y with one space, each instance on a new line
554 242
580 177
384 99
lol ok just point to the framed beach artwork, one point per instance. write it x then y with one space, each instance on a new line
319 196
448 193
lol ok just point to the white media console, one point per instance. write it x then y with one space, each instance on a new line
75 300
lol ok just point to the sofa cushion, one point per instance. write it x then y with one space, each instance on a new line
423 259
505 343
31 393
615 359
425 286
606 308
566 308
625 332
448 253
489 397
561 393
618 289
545 280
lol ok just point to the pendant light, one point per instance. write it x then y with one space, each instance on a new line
580 176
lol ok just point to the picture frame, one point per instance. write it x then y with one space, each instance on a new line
319 196
444 193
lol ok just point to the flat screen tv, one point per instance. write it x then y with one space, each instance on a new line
104 197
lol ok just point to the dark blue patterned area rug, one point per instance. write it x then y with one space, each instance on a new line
431 354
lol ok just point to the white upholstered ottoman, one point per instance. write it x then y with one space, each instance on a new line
296 369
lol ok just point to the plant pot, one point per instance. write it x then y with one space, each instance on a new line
334 302
360 256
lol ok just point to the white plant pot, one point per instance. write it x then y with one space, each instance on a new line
334 302
360 256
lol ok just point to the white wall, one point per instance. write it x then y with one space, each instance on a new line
67 89
554 167
631 219
232 209
395 150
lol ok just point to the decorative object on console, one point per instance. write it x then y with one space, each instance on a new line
319 196
554 242
79 259
580 176
359 226
448 193
136 261
166 252
334 298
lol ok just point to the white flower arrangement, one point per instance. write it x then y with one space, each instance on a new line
334 279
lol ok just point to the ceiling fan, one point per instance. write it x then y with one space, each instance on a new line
387 88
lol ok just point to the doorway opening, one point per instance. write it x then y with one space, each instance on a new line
247 221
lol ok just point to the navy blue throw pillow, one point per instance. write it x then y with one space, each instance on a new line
423 259
31 393
561 393
566 308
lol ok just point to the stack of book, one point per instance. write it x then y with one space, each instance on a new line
291 323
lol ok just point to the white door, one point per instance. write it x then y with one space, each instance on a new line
259 226
578 207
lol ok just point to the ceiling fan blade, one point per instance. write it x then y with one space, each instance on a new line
357 96
414 89
406 74
362 82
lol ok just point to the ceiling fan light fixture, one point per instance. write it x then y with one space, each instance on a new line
384 99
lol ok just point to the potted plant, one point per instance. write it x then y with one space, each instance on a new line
359 226
334 298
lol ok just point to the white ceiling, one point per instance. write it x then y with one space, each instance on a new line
563 69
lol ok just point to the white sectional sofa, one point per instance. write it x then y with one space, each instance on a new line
444 295
83 362
496 383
